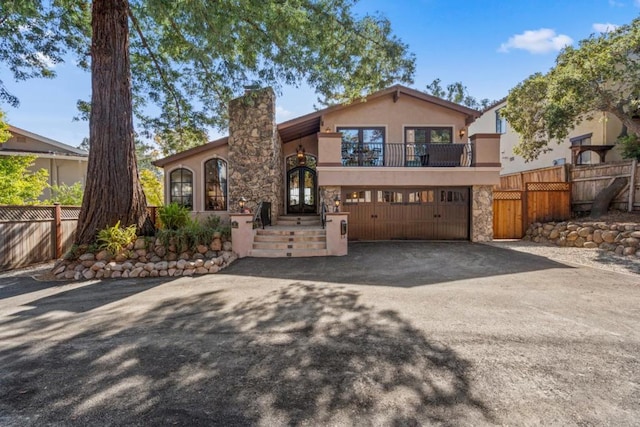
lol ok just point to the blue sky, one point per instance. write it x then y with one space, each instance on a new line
489 45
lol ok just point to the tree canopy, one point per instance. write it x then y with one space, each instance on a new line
601 74
189 59
456 92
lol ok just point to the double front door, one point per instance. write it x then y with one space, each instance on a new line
301 191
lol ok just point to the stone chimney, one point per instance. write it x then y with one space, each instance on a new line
255 152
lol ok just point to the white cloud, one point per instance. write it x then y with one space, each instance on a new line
283 114
604 28
615 3
537 41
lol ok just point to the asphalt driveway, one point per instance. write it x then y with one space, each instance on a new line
397 334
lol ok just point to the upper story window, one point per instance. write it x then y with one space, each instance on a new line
429 135
585 157
215 186
501 123
181 187
362 146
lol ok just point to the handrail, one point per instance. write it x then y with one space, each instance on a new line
257 217
414 154
323 215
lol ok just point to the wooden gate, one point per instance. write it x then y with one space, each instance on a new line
514 211
507 215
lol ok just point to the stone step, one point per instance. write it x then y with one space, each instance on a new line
290 245
293 232
289 238
287 253
298 220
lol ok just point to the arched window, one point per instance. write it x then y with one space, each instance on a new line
215 185
181 187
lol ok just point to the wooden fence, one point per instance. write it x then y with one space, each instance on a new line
514 211
588 181
33 234
517 181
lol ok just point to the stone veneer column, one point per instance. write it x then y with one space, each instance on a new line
255 152
327 195
482 213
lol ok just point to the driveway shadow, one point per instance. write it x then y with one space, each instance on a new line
400 264
301 355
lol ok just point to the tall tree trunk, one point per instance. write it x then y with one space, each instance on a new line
112 192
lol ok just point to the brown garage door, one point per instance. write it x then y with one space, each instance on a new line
430 213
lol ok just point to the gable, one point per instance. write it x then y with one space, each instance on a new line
29 142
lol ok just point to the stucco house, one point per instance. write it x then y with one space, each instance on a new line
400 162
591 142
65 164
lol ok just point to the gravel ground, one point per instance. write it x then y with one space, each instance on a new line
595 258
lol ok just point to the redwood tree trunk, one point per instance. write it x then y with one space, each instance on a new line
112 192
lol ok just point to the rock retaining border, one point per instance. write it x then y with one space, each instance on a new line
621 238
147 257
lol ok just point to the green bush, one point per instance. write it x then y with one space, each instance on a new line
630 146
115 239
212 221
173 216
193 233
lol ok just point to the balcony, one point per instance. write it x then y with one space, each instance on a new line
406 155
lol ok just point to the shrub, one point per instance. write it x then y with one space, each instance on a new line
212 221
630 146
173 216
193 233
115 239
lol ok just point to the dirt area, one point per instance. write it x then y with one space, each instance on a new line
613 217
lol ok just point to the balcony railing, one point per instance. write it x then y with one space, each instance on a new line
406 155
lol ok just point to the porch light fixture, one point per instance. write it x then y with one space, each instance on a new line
336 203
300 153
327 130
462 133
242 202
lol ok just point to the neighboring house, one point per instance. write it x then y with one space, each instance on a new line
591 142
400 162
65 164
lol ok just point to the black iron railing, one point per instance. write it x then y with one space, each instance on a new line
323 215
406 155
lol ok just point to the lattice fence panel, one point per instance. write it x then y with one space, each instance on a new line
548 186
507 195
25 213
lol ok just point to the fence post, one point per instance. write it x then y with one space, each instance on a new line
57 228
632 184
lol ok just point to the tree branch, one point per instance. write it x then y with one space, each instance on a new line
156 63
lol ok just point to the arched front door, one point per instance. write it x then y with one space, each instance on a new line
301 190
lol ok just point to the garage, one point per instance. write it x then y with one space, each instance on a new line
427 213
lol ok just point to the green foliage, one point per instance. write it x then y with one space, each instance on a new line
4 127
458 93
207 54
18 185
212 221
602 74
68 195
36 35
630 146
115 239
173 216
152 187
194 233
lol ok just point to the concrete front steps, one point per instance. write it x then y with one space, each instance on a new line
291 237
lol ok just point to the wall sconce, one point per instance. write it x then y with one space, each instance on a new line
300 153
462 133
336 203
327 130
242 202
